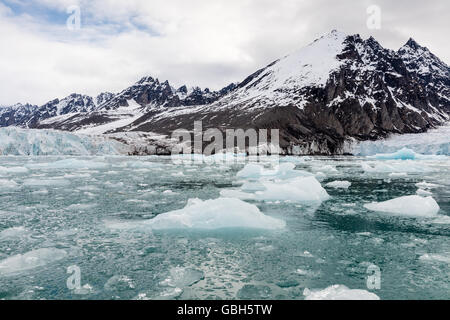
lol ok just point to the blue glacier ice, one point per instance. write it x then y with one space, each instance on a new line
24 142
406 154
433 142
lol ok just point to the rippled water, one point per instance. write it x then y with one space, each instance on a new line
56 213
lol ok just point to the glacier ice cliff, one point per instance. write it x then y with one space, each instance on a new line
433 142
20 142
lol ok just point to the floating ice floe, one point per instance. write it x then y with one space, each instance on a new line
30 260
406 154
282 171
339 292
69 164
8 184
12 233
426 185
13 170
208 215
433 257
81 207
180 277
339 184
56 182
402 167
414 206
424 193
300 189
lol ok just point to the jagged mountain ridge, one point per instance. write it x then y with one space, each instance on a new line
77 111
337 88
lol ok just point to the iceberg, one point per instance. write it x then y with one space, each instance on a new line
300 189
13 233
282 171
433 257
406 154
414 206
14 170
402 167
339 292
69 164
30 260
209 215
339 184
8 184
180 277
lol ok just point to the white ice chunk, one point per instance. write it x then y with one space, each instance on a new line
56 182
300 189
402 167
433 257
7 184
210 214
339 184
424 193
9 170
282 171
406 154
339 292
414 206
12 233
426 185
70 164
180 277
251 171
30 260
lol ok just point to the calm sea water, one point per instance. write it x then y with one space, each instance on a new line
57 213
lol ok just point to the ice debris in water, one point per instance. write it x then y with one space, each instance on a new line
300 189
9 170
7 184
433 257
14 232
30 260
424 193
339 292
406 154
339 184
56 182
282 171
426 185
414 206
406 166
209 214
69 164
180 277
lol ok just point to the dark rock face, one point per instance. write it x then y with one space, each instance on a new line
17 114
337 89
373 92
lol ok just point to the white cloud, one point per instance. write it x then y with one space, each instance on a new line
197 42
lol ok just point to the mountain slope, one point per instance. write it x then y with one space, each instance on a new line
337 89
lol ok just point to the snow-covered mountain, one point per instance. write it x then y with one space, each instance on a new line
336 89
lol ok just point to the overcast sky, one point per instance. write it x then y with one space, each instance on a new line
209 43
